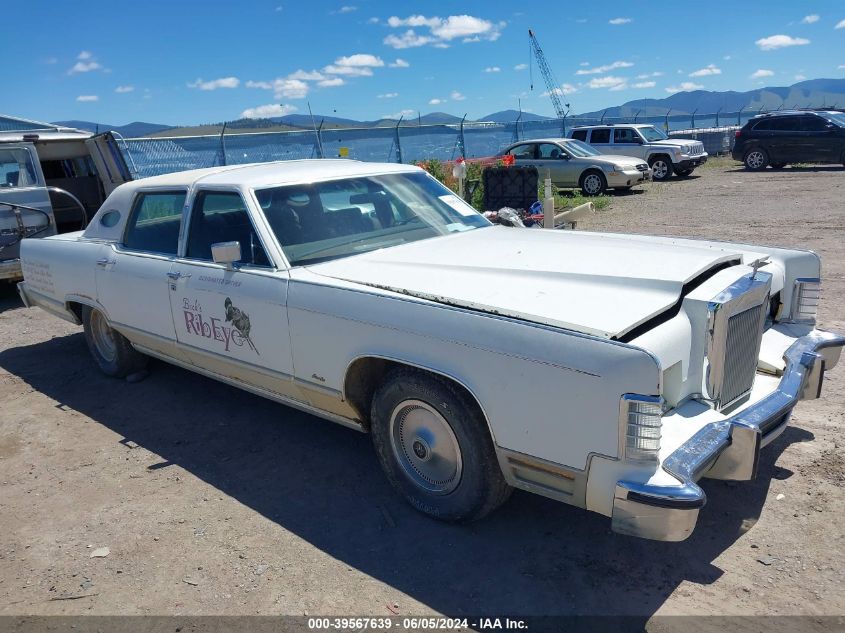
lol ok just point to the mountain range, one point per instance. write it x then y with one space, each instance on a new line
813 92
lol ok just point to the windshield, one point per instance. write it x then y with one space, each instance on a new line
330 220
652 134
579 149
836 117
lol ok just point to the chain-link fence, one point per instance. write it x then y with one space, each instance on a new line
401 143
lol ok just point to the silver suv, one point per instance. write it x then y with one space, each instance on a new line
665 156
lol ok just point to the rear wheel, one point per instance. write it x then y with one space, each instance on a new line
661 167
593 183
435 448
756 159
111 350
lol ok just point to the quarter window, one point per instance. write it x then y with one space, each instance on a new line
16 169
600 136
580 135
154 224
221 216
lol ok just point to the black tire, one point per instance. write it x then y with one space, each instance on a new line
756 159
408 413
683 173
592 183
114 355
661 167
777 165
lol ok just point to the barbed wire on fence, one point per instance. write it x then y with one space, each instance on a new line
402 143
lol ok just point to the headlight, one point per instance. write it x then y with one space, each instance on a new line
805 299
642 420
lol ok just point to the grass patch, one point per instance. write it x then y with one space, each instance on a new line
720 162
569 199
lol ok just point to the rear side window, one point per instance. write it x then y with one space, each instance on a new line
525 152
153 226
580 135
600 136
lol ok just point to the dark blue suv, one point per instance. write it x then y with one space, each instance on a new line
793 136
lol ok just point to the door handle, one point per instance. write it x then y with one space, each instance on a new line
178 275
105 261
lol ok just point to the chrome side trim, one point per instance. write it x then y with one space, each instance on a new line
727 449
543 477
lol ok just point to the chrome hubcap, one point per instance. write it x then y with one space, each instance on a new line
592 183
426 447
103 337
755 160
660 169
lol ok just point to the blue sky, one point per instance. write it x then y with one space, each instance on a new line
181 62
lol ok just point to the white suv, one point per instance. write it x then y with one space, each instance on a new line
665 156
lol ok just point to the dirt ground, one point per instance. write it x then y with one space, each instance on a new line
214 501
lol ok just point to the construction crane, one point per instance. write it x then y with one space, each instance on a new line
551 83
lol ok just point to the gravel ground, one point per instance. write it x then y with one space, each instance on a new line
214 501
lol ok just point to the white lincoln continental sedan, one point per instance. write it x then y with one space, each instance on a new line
611 372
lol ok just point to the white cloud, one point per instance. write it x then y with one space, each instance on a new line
841 67
810 19
774 42
373 21
840 25
727 58
214 84
306 75
710 69
400 114
290 89
564 90
331 83
399 63
520 67
388 95
644 84
441 31
436 101
457 96
617 21
584 64
492 69
684 86
347 9
267 111
800 77
124 89
87 98
606 82
757 74
656 73
598 70
85 63
263 85
358 65
279 8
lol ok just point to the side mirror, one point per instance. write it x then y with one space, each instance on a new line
226 253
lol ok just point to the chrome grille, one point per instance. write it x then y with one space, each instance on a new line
642 167
741 350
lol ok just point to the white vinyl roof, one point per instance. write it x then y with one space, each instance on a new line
286 172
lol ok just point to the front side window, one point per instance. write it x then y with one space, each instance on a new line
523 152
550 151
221 216
153 226
339 218
600 136
811 123
17 169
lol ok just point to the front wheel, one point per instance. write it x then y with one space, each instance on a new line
112 352
593 183
661 168
435 448
756 159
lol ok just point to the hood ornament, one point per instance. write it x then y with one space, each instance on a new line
758 264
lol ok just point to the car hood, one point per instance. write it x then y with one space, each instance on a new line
599 284
614 159
675 142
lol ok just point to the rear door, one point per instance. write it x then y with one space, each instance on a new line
22 183
600 139
132 277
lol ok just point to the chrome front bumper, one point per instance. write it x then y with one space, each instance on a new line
10 269
727 449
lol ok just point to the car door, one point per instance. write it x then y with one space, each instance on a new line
132 276
553 160
22 183
626 142
524 154
816 140
600 139
784 142
231 320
